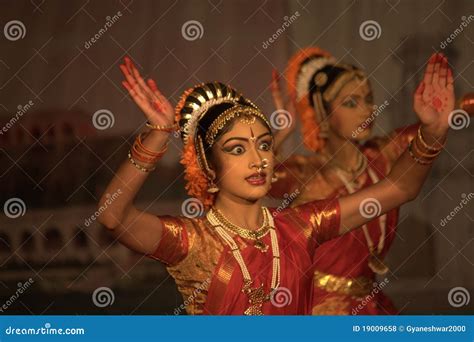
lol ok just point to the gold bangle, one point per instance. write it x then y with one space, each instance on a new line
166 128
423 154
138 166
416 158
425 145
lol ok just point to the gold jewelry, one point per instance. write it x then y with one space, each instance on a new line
166 128
419 151
212 189
254 235
375 263
425 145
274 178
138 166
256 296
229 114
417 158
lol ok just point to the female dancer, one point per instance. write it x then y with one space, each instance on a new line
241 257
335 104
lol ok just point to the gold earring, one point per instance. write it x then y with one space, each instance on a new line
212 188
274 178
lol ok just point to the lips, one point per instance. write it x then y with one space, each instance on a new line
257 178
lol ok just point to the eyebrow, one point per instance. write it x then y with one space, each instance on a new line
245 139
357 95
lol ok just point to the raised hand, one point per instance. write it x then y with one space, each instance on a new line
280 105
434 98
151 101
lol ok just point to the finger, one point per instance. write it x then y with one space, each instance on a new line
437 66
131 83
146 90
155 90
443 72
128 64
130 79
139 100
429 69
419 90
450 80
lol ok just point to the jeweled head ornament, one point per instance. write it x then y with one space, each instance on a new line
314 78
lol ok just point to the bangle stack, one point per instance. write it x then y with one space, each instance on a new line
139 153
421 152
166 128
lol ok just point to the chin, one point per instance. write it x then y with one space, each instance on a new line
363 135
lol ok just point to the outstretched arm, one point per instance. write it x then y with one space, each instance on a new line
433 102
138 230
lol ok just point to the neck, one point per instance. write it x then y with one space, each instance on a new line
341 150
245 214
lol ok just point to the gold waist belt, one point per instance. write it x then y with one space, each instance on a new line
357 287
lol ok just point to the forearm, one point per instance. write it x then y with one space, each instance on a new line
402 185
409 175
127 182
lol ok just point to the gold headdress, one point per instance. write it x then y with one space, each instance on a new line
314 78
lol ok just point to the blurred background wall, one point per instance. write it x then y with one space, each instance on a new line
59 66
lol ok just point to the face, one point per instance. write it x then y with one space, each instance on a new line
239 158
351 111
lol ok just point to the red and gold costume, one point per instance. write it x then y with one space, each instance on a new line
345 268
209 278
197 252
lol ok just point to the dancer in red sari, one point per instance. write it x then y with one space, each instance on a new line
335 104
241 257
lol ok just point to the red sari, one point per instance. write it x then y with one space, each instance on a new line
210 279
344 283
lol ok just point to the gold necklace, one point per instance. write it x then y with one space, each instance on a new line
256 296
254 235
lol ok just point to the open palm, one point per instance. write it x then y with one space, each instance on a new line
434 98
151 101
